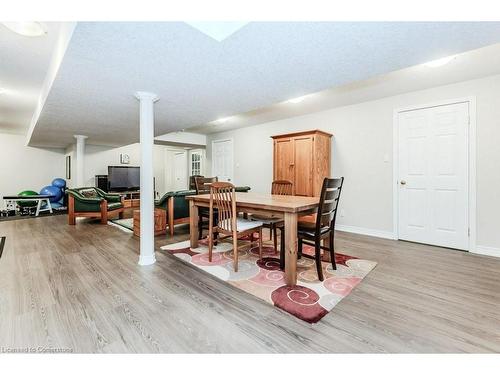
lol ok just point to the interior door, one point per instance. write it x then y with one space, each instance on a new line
180 170
222 159
303 166
284 159
433 175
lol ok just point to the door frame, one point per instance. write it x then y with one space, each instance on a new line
471 156
232 152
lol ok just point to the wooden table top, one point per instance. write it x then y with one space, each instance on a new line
284 203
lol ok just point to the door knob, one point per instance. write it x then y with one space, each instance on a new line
402 182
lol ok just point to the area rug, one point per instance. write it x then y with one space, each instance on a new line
310 300
124 223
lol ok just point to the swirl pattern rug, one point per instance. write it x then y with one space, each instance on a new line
309 300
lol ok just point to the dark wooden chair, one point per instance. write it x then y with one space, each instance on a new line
313 233
192 181
223 198
278 187
202 185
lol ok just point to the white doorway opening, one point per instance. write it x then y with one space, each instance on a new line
434 173
222 159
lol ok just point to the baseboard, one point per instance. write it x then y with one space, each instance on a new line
486 250
365 231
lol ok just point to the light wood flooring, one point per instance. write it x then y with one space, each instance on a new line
80 288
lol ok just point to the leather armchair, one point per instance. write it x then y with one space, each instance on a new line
93 202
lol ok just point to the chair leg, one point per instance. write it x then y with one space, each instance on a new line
282 248
200 228
299 252
270 232
332 249
275 238
235 251
210 244
260 243
317 256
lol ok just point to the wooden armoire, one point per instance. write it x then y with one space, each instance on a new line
304 159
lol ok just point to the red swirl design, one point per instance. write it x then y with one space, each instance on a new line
299 301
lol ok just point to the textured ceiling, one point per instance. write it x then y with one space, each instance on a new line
466 66
23 66
199 79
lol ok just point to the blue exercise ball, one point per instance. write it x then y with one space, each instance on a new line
55 191
59 182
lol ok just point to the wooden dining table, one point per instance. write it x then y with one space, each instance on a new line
289 207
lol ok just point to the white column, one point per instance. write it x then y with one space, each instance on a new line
147 100
80 160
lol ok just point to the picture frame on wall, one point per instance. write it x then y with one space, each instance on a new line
68 167
124 159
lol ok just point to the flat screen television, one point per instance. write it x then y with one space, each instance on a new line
121 178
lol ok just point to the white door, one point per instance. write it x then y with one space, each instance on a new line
433 175
180 171
222 159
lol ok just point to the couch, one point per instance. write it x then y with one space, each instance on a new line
93 202
177 207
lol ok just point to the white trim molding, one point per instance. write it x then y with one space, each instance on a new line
365 231
486 250
471 100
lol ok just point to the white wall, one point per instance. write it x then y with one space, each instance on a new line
363 137
27 168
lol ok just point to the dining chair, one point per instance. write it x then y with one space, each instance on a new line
223 198
312 233
278 187
202 186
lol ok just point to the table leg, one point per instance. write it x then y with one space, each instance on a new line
170 208
193 224
38 207
290 248
49 206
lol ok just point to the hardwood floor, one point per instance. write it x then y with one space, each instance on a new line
80 288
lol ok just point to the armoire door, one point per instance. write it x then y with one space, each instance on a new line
283 159
303 165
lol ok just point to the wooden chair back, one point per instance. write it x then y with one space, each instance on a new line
282 187
223 198
192 181
328 203
202 184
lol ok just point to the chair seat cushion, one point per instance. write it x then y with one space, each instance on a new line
114 206
309 229
243 224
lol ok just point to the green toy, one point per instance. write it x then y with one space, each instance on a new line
29 203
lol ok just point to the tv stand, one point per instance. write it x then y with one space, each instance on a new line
132 198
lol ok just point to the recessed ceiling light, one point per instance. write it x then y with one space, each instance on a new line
296 100
27 28
222 120
217 30
440 62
